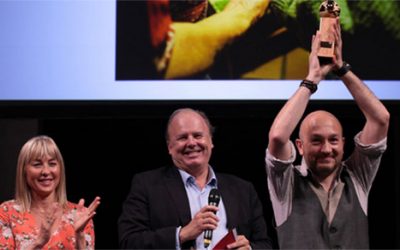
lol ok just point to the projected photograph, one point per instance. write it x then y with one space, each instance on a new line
241 39
187 49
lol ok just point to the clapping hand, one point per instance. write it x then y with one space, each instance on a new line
48 219
85 214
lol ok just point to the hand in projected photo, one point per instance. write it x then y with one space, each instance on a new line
196 45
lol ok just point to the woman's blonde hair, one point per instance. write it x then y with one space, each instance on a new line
36 148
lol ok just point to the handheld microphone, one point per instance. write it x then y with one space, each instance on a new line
213 199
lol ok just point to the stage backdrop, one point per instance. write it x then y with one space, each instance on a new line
68 69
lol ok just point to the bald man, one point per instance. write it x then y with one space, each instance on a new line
322 203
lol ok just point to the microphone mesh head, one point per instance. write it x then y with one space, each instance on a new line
214 197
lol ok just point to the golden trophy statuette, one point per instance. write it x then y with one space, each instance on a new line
328 12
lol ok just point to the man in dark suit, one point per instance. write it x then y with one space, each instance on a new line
168 207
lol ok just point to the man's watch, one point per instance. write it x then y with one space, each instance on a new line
310 85
342 70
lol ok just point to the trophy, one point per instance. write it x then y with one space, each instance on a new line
328 12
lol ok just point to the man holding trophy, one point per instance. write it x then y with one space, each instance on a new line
322 203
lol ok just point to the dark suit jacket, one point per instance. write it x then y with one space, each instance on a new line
157 204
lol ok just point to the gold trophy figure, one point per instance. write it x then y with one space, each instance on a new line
328 12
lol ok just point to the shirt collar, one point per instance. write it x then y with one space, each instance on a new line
189 179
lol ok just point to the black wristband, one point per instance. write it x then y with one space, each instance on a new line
342 70
310 85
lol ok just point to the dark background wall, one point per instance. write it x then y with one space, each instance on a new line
105 143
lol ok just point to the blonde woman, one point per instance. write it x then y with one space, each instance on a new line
40 215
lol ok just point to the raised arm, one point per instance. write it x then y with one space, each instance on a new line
377 116
291 113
